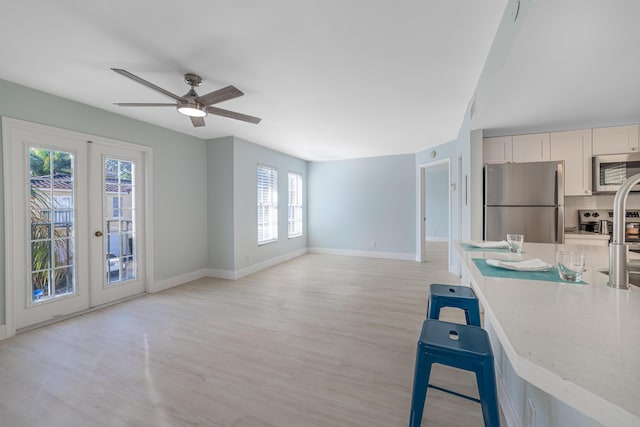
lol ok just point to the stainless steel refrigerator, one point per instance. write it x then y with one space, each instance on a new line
524 198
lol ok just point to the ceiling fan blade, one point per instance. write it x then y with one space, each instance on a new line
148 84
197 121
233 115
143 104
220 95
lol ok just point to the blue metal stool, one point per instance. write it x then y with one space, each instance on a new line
454 296
460 346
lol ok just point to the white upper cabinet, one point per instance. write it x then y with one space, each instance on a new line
615 140
574 147
497 150
531 148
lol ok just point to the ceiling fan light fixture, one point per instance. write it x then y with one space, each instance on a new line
191 110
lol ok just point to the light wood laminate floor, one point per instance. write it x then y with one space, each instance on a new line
320 340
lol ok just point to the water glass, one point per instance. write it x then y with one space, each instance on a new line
570 265
515 241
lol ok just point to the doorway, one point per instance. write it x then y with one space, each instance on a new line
75 222
435 208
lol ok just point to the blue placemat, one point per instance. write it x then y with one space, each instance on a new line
468 247
548 276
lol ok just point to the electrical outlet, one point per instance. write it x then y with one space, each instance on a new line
531 413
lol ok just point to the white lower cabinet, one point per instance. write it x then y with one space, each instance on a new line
574 147
572 240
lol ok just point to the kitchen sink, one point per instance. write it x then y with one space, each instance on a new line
634 277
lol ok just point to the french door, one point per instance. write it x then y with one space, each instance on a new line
76 222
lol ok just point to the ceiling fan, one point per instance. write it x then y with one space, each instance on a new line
191 104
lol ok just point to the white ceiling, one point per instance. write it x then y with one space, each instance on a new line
575 64
330 79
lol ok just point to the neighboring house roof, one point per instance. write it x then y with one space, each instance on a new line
65 182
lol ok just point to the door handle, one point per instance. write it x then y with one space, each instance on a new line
98 233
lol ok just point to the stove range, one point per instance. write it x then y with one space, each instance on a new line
592 220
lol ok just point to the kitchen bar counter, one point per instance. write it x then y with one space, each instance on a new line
586 235
579 344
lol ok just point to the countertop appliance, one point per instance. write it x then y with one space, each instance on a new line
593 220
609 172
524 198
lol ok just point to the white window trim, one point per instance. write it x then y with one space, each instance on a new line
271 205
300 205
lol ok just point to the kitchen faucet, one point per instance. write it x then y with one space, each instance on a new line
619 250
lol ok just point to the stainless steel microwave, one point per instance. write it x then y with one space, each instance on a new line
611 171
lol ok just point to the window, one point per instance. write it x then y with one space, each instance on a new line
267 204
52 235
295 204
117 204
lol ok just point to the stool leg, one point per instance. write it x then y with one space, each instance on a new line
420 383
488 397
434 310
473 316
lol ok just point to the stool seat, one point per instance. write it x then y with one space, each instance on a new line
460 346
446 336
455 296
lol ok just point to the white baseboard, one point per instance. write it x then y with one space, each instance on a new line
437 238
221 274
268 263
178 280
365 254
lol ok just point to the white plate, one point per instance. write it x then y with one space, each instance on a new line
535 264
490 245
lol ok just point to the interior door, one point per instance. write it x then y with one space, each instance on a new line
75 222
117 223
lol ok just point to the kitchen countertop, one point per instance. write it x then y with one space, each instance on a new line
578 343
586 235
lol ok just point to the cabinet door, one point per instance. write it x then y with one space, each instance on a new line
497 150
531 148
615 140
574 147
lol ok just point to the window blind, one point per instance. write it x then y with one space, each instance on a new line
267 204
295 204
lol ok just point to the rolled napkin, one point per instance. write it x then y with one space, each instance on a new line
535 264
490 245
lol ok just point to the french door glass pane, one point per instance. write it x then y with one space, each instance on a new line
119 219
52 226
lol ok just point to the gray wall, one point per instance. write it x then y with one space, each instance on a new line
246 157
232 198
437 201
221 221
364 204
179 175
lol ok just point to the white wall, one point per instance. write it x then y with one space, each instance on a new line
365 206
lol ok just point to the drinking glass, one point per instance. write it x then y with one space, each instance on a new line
570 265
516 241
